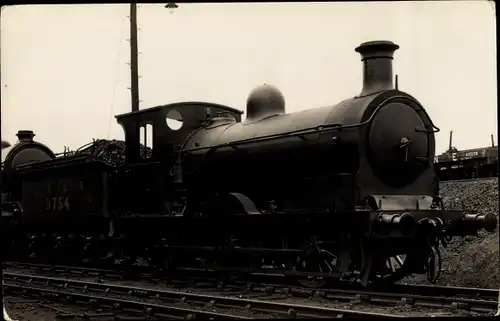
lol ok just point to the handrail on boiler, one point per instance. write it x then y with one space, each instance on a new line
310 130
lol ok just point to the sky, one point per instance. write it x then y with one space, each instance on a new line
65 74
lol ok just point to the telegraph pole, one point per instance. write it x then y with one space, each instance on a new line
134 61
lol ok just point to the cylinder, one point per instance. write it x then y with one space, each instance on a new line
377 59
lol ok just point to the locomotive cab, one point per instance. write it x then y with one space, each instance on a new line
150 180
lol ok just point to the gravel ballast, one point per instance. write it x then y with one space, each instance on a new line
473 261
470 261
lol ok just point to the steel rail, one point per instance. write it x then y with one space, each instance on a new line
431 301
81 270
474 299
159 310
170 302
455 298
264 281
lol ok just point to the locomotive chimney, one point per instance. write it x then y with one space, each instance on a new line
377 66
25 135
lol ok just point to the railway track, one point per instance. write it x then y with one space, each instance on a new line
273 287
166 303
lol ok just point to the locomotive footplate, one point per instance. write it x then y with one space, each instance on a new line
380 224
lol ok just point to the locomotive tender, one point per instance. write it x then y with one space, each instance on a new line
344 191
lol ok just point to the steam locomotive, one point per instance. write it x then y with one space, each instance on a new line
346 191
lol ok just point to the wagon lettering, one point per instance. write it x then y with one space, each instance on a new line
471 154
60 203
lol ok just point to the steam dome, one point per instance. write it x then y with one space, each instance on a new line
264 101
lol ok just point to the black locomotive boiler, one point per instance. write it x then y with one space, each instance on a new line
343 191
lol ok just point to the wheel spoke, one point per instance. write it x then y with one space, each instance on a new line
392 270
391 265
399 260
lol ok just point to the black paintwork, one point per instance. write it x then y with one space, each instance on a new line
305 159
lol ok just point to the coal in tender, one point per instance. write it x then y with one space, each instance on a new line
111 151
